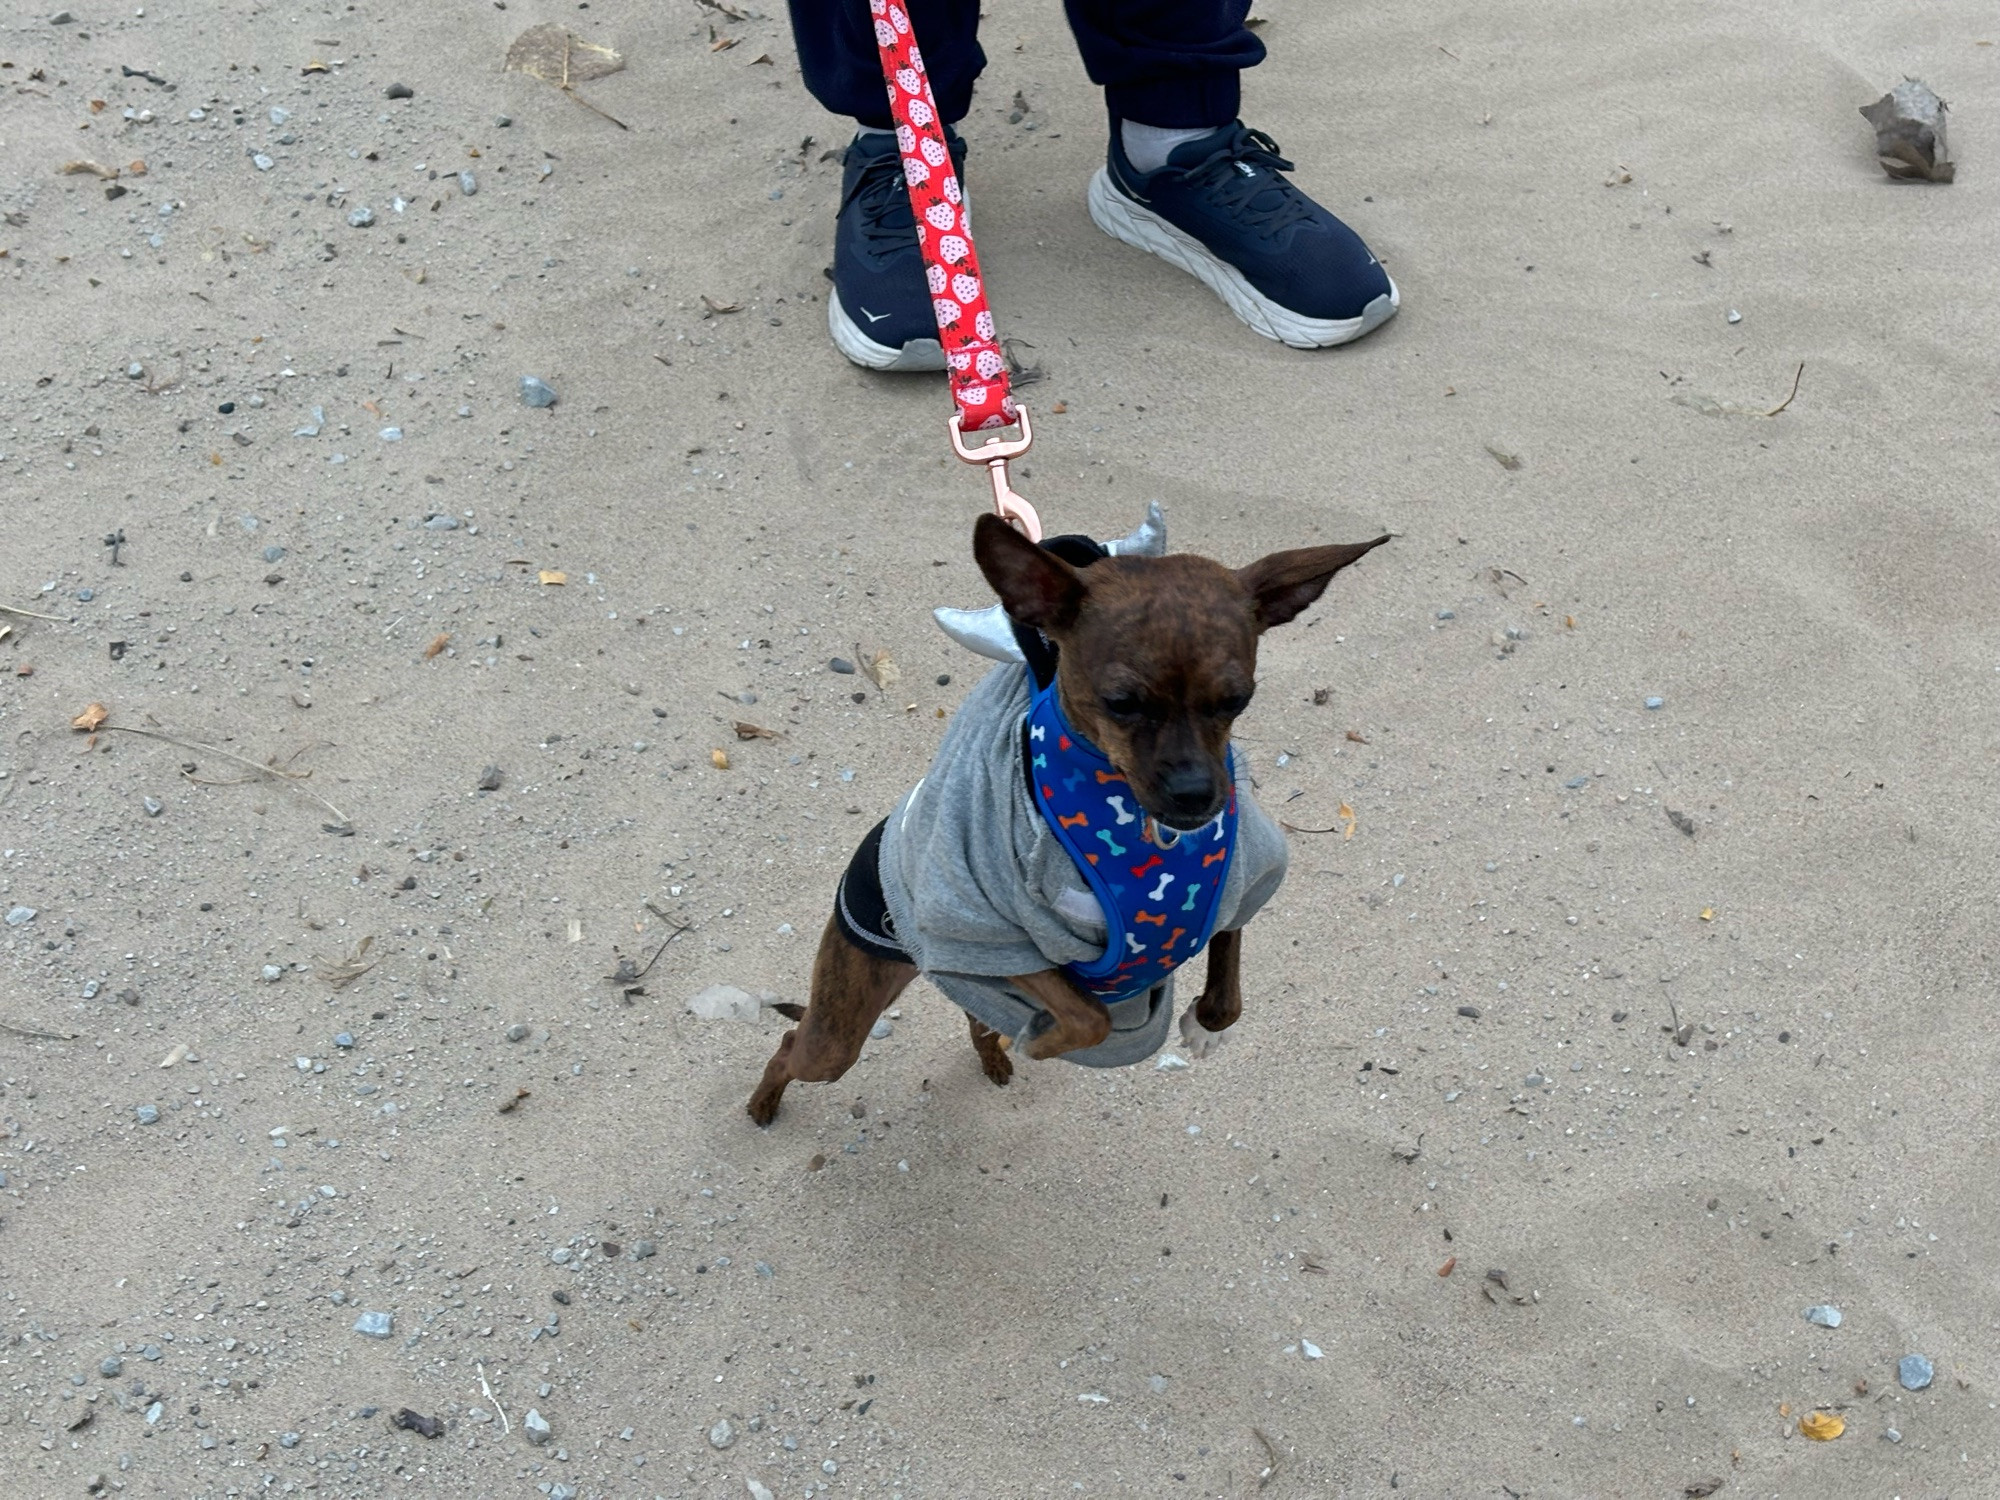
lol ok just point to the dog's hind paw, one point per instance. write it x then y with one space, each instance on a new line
1197 1038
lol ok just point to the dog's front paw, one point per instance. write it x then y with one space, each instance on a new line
1197 1038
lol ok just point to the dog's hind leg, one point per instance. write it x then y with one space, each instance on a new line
850 989
992 1050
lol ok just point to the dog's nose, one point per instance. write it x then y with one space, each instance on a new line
1189 790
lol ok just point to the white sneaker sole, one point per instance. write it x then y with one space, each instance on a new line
1122 219
918 354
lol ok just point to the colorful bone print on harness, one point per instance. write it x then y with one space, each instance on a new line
944 229
1160 899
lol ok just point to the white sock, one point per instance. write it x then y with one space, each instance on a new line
1147 147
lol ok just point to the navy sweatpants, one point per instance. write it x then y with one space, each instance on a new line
1173 63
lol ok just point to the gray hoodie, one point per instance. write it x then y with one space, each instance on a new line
979 888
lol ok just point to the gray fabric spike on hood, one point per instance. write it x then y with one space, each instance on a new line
990 633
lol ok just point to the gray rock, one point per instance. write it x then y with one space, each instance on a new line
518 1032
467 183
280 115
1826 1316
154 807
535 1427
20 916
645 1250
1890 1435
503 121
399 91
722 1435
262 162
442 523
343 1039
391 434
273 973
111 1367
562 1492
288 1440
536 391
881 1031
1656 703
361 217
489 779
724 1002
147 1114
758 1491
274 554
90 989
1914 1372
154 1412
560 1255
841 665
375 1325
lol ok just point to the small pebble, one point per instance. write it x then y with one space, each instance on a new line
262 162
722 1435
154 807
375 1325
147 1114
361 217
518 1032
944 679
536 391
1914 1372
20 916
399 91
1170 1062
1534 1080
881 1031
645 1250
274 554
391 434
1311 1350
279 114
503 121
1470 1012
841 665
467 183
560 1255
1891 1435
1735 316
111 1366
90 989
343 1039
273 973
535 1427
1824 1316
1447 614
1656 703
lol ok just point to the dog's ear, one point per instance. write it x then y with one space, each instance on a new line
1285 584
1037 587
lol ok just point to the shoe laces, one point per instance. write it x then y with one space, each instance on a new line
882 200
1261 200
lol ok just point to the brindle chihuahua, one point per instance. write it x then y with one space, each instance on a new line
1158 655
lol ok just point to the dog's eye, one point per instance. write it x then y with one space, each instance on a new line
1229 708
1124 706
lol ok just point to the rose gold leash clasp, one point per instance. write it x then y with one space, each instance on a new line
994 453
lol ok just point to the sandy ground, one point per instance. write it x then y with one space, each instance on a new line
1140 1283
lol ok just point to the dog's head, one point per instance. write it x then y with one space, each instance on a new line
1158 654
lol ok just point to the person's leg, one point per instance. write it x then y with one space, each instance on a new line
1176 64
1187 181
879 312
836 42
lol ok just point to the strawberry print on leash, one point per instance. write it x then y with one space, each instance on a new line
978 369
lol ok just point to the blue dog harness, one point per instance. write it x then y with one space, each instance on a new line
1160 888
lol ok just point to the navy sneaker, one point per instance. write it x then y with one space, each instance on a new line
880 313
1220 211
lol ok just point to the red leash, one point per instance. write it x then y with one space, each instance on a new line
976 363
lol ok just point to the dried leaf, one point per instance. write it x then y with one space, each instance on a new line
1357 737
553 578
881 668
91 719
315 66
764 58
723 43
1708 914
176 1057
1909 124
436 646
508 1106
754 731
552 54
1822 1426
720 307
1448 1267
719 759
94 168
342 972
1060 407
1508 461
1347 814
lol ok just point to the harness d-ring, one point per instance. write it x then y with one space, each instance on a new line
994 453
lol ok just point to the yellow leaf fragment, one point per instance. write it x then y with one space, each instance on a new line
1346 814
91 719
436 646
1708 914
552 577
1822 1426
719 759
